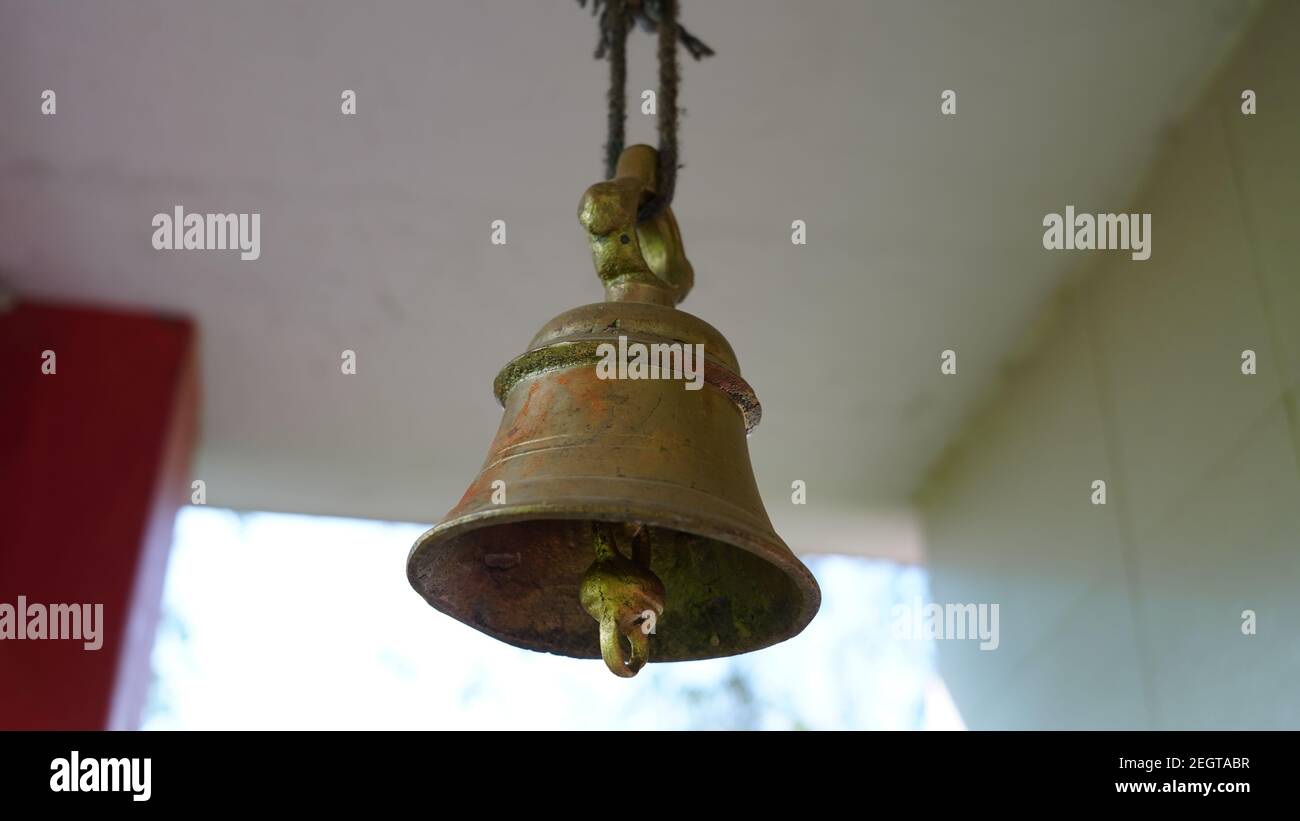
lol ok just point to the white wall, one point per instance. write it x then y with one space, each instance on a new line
1128 615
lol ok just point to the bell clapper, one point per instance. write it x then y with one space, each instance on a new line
624 596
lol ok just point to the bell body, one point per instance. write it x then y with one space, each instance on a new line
650 454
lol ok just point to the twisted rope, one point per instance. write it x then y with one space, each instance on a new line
616 17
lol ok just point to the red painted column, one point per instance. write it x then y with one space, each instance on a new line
94 463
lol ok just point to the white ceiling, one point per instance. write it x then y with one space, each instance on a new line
923 231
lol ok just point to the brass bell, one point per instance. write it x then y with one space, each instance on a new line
630 501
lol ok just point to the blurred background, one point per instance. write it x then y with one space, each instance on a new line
199 464
351 647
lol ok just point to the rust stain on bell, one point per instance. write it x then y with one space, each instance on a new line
631 528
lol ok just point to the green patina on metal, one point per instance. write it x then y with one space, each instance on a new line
541 361
702 612
562 355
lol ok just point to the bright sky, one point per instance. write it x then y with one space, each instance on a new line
279 621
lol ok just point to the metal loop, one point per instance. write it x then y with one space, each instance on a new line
613 652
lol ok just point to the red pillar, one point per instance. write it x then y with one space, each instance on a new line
94 463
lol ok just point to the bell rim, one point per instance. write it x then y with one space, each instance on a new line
805 583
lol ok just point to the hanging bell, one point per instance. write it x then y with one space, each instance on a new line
617 517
